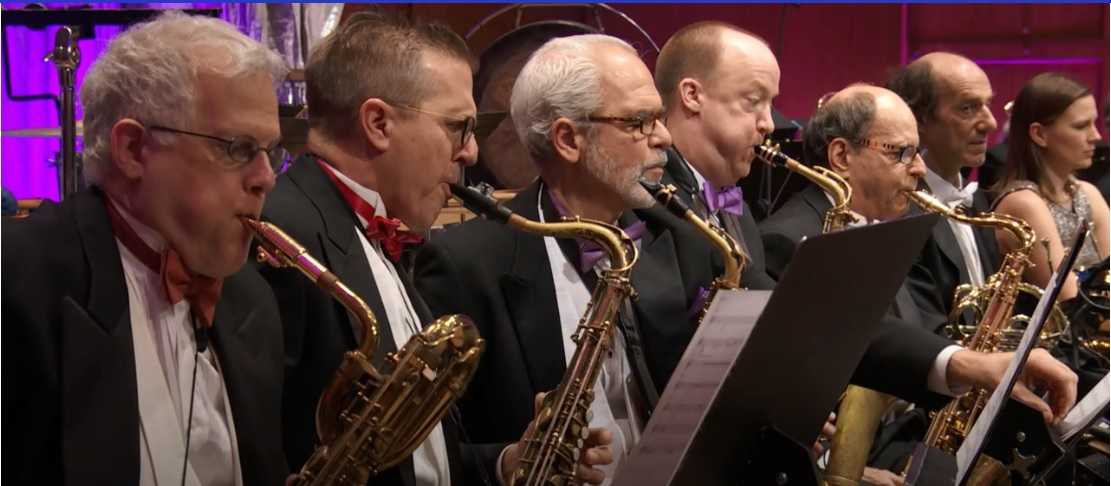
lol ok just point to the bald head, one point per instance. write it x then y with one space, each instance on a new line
950 96
854 113
699 50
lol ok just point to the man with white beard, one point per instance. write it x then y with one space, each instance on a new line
589 115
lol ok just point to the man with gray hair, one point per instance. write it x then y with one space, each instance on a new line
589 116
145 353
951 99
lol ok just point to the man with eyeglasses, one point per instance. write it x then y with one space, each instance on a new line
391 124
139 348
951 99
589 116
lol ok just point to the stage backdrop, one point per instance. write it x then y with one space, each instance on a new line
821 48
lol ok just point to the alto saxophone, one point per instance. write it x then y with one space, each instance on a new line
553 447
732 254
367 419
860 408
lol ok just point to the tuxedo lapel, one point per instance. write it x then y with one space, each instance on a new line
530 296
986 245
817 200
343 252
100 411
661 304
947 242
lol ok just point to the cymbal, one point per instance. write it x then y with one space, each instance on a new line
51 132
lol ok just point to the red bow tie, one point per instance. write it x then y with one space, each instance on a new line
178 282
380 228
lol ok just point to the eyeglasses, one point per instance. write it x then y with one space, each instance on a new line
466 125
241 150
903 154
645 123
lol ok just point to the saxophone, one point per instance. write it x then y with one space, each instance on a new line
553 447
369 420
860 409
733 255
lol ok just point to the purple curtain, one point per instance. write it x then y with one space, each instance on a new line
28 164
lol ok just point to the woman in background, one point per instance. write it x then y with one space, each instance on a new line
1053 135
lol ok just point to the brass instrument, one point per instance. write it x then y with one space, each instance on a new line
860 409
367 419
553 447
996 299
831 182
732 254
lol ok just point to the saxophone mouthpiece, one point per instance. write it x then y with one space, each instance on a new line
770 153
480 203
665 194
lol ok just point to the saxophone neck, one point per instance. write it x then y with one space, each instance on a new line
619 247
1018 228
278 249
831 182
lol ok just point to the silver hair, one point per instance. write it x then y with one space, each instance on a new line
149 73
560 80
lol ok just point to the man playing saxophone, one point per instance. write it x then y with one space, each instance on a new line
141 351
868 135
588 113
392 122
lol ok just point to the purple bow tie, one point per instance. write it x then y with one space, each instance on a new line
590 253
728 199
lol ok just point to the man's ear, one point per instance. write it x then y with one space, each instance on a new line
127 137
567 140
691 95
1037 134
837 153
377 123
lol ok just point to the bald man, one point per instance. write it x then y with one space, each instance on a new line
868 135
717 82
950 97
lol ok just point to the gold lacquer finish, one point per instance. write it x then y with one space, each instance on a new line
369 420
860 410
552 449
733 256
997 328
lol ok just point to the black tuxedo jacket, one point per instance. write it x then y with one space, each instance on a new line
742 228
318 330
940 268
502 278
70 395
906 344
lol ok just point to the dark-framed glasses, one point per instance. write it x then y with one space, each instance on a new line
465 125
241 150
646 124
903 154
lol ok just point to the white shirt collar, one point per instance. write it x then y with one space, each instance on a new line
365 193
941 187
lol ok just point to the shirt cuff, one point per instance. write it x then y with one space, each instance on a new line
497 468
937 380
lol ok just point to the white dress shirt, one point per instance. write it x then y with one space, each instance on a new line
430 459
966 240
164 343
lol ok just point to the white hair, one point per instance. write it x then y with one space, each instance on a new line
149 73
561 80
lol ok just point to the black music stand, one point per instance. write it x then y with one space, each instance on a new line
757 381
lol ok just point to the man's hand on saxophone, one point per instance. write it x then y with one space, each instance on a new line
596 452
1043 375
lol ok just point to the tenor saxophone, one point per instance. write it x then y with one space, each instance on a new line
368 419
552 448
732 254
994 302
860 408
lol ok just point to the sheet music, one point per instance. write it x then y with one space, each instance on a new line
709 357
1085 411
